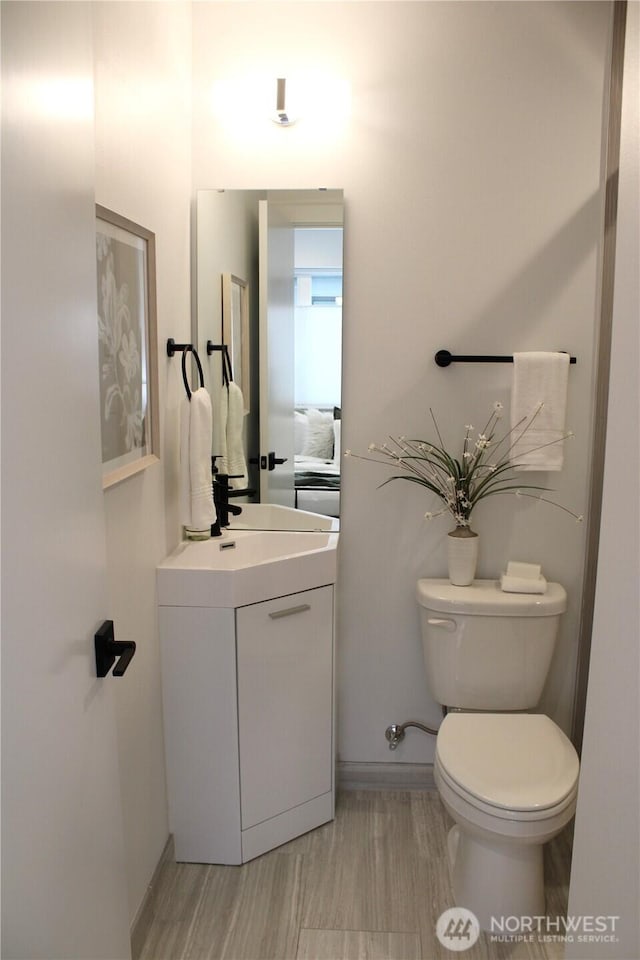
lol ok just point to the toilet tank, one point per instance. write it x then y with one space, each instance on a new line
485 649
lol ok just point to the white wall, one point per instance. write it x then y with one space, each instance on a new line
143 156
318 248
471 168
604 875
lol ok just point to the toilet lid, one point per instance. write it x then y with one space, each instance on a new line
518 761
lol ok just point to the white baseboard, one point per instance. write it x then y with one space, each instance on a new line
144 916
385 776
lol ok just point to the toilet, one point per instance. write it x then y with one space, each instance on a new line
507 777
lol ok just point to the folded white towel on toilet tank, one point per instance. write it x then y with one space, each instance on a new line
523 578
539 378
522 584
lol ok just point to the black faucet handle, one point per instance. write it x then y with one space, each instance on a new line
220 484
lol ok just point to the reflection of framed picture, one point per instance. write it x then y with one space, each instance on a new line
127 346
235 331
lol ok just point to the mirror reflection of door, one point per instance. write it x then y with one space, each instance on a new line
288 245
277 331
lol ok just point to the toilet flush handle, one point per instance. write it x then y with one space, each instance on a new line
449 625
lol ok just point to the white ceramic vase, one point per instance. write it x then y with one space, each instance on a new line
462 544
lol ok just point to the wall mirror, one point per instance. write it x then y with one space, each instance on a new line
269 277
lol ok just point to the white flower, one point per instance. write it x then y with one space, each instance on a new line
472 480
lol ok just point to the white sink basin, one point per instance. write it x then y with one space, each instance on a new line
246 566
273 516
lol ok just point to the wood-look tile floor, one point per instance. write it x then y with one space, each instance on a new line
368 886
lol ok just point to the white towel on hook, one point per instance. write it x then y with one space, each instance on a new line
539 397
197 509
232 460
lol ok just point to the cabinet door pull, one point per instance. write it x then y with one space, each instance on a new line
287 613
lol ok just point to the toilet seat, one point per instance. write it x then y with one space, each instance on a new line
510 766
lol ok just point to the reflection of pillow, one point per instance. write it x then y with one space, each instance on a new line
319 442
337 429
300 430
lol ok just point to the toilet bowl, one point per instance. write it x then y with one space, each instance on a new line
509 781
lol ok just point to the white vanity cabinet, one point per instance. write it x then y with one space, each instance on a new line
248 714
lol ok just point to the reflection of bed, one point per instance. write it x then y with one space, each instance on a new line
317 485
317 461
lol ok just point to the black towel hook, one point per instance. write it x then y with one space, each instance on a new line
227 373
185 348
190 349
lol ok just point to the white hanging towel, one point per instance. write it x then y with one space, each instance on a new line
539 378
197 509
232 460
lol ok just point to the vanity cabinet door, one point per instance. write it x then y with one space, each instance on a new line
198 651
285 671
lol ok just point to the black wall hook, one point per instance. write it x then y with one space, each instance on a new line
173 347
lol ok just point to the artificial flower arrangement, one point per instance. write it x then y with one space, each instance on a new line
482 470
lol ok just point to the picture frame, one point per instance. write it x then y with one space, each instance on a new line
127 346
236 332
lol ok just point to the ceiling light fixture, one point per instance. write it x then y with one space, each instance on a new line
282 117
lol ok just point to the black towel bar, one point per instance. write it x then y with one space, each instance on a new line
443 358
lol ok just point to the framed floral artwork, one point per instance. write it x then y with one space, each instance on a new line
127 346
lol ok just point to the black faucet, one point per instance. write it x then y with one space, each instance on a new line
221 498
220 488
221 494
